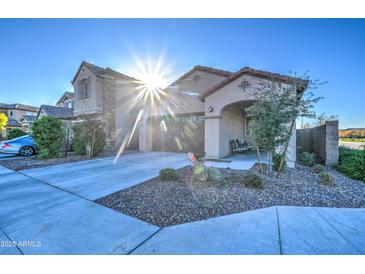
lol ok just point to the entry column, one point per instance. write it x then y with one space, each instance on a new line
212 136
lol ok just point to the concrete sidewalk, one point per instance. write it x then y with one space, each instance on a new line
53 221
274 230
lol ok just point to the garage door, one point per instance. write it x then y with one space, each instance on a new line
181 133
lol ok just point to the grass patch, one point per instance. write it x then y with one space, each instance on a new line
354 140
352 163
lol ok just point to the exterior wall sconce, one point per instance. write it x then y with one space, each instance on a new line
210 109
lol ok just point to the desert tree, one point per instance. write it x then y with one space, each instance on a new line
323 118
275 112
89 136
269 118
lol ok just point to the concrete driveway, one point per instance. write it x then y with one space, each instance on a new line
44 214
98 178
43 219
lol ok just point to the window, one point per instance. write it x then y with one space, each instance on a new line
69 105
85 90
10 113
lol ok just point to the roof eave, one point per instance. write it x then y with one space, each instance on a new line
204 69
252 72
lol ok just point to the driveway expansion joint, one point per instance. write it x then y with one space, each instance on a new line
339 233
279 235
7 236
51 185
144 241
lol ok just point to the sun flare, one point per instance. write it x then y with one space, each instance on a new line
153 81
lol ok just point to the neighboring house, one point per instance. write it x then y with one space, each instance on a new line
66 115
15 113
27 122
201 111
54 111
104 93
66 100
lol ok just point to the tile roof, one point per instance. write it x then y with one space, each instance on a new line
220 72
7 106
99 71
13 123
30 118
19 106
253 72
59 112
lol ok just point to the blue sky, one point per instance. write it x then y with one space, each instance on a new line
39 57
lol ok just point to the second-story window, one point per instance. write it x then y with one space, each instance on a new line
10 113
85 90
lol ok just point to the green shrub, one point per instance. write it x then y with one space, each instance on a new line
317 168
253 180
307 158
15 133
168 174
326 179
49 135
200 172
276 159
352 163
83 137
214 175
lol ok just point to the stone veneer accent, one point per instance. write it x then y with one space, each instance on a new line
108 113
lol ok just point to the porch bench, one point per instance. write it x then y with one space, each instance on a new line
240 145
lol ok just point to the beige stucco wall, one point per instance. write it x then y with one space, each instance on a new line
178 101
126 109
223 100
231 127
226 122
94 103
199 81
211 142
230 94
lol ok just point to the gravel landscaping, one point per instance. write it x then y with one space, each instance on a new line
34 162
175 202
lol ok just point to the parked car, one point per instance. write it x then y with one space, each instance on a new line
24 146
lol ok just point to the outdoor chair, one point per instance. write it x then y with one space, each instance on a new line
240 146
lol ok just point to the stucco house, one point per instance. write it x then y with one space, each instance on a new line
63 110
19 116
66 100
201 111
109 95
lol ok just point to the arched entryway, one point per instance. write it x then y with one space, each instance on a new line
231 122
